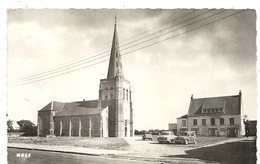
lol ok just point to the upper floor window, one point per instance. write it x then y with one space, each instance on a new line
231 121
127 94
116 64
123 93
111 93
106 94
212 121
203 122
116 54
183 122
222 121
194 122
213 110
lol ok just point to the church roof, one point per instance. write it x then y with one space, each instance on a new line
115 63
229 104
54 105
75 109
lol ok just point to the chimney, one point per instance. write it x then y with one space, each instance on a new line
191 97
83 99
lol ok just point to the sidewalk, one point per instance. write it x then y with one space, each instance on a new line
66 149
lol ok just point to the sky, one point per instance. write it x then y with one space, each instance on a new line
192 56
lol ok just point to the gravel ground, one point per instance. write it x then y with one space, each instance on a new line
137 149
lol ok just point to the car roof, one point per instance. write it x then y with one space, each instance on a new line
167 131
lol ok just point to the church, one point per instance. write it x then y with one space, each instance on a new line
109 116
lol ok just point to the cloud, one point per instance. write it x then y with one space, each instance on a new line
218 59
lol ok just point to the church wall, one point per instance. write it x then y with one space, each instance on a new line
45 122
71 126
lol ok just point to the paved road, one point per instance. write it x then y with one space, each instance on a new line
22 156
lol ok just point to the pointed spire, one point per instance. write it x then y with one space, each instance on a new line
115 19
115 63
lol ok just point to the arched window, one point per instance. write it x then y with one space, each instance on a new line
106 94
123 93
111 93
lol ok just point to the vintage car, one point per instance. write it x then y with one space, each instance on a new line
166 137
186 138
150 136
147 136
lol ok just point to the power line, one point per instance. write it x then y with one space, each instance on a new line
80 59
126 53
83 60
137 49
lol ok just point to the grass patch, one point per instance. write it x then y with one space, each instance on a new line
98 143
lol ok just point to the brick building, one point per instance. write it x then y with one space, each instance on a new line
109 116
214 116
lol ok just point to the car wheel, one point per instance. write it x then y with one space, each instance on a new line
186 142
160 142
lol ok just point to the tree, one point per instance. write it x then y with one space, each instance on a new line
10 125
28 127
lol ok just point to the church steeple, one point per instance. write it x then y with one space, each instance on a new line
115 63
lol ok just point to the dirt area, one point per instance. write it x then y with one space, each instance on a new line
137 149
94 143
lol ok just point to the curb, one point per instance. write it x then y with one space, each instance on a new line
58 151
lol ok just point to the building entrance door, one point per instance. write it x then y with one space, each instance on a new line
231 132
212 131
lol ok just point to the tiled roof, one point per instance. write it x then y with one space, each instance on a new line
73 108
57 106
229 103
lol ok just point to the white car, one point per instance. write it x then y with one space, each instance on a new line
166 137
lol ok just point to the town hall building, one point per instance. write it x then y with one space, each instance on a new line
214 116
109 116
